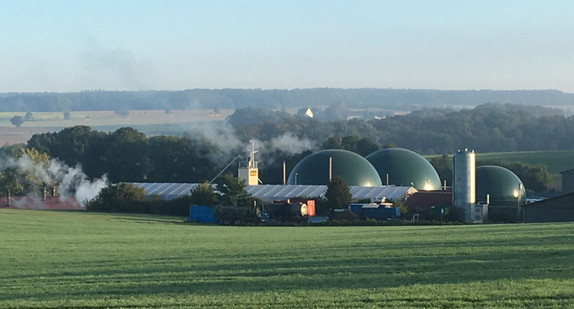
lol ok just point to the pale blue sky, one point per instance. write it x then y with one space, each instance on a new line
155 45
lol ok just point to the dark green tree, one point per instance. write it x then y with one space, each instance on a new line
17 121
443 166
116 197
365 147
350 142
338 193
233 191
204 194
126 156
333 142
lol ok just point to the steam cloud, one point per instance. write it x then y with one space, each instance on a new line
286 143
72 182
291 144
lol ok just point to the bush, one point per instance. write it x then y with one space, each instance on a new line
127 198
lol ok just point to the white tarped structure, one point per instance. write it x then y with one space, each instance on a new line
167 191
270 193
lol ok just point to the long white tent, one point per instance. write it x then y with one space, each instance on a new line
270 193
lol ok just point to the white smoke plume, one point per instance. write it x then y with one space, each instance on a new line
291 144
72 182
270 152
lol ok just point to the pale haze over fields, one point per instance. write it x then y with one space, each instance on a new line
63 46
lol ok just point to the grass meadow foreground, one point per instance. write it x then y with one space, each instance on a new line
52 259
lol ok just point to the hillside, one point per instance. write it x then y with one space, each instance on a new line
385 99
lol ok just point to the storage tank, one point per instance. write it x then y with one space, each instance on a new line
505 192
318 167
464 181
403 167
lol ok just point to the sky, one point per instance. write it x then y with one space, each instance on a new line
69 46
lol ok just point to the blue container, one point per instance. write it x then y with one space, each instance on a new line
356 208
380 213
201 214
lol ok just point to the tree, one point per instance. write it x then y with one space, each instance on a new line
126 157
116 197
28 116
66 115
26 173
443 166
349 142
17 121
333 142
365 147
204 194
233 191
338 193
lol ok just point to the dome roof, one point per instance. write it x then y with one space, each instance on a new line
405 168
503 186
314 169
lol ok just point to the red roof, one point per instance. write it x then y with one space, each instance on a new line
53 203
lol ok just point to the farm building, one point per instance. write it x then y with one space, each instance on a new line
407 173
568 180
556 209
428 204
270 193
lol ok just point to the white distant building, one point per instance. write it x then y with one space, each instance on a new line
305 111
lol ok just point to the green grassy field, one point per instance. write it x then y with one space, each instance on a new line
556 161
54 259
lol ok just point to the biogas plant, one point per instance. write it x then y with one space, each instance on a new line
379 183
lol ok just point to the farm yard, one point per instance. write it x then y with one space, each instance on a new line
51 259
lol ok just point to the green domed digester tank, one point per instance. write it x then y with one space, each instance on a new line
405 168
314 169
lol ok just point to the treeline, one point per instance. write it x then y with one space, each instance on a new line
388 99
127 155
487 128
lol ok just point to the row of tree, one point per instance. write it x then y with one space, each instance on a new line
488 128
386 99
128 155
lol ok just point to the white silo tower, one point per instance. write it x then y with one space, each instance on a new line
464 182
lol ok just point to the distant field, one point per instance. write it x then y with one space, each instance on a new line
76 259
556 160
144 119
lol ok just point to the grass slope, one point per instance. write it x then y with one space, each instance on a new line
556 160
74 259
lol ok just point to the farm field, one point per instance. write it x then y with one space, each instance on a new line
144 120
556 160
52 259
